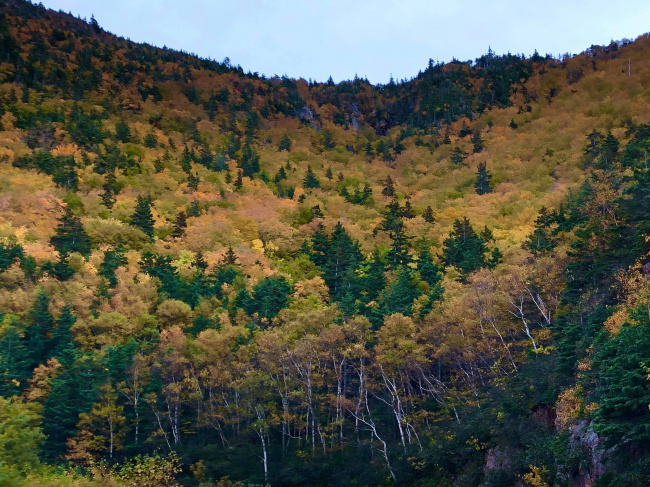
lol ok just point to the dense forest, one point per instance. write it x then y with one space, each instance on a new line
209 277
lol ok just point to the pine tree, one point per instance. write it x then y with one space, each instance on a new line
112 260
407 211
389 188
430 272
285 143
142 217
483 178
61 337
249 161
457 156
329 174
220 163
398 254
38 334
464 248
400 296
122 132
180 225
70 235
375 278
230 258
428 215
281 174
310 181
541 240
239 182
477 141
14 359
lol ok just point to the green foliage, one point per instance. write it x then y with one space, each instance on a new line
70 235
310 181
20 439
464 248
483 177
142 217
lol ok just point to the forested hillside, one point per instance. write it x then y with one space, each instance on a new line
210 277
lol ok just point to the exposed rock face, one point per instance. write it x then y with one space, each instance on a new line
584 437
355 117
496 459
306 113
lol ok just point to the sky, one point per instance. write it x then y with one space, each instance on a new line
374 39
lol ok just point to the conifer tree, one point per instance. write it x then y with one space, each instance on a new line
477 141
285 143
310 181
483 178
457 156
38 334
112 260
389 188
230 258
239 182
142 217
122 131
464 248
61 337
180 225
428 215
329 174
70 235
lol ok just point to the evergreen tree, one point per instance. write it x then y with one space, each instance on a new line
320 244
142 217
270 296
122 131
389 188
180 225
399 297
249 161
541 240
343 257
220 163
281 174
398 254
38 334
428 215
329 174
310 181
464 248
61 337
477 141
483 178
430 272
15 359
230 258
70 235
112 260
239 182
457 156
285 143
407 211
375 278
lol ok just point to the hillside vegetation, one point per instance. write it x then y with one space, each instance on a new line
210 277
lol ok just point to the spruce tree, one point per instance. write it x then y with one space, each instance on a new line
38 334
477 141
310 181
389 188
239 182
180 225
483 178
61 337
122 131
457 156
142 217
70 235
464 248
428 215
285 143
112 260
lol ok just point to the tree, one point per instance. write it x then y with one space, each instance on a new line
477 141
399 297
310 181
541 240
285 143
239 182
389 188
20 440
39 332
464 249
142 217
482 183
230 258
328 173
457 156
70 235
62 337
430 272
270 296
112 260
122 131
249 161
180 225
428 215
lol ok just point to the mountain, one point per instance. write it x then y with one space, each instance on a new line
210 277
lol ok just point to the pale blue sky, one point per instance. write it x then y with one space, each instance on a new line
373 39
